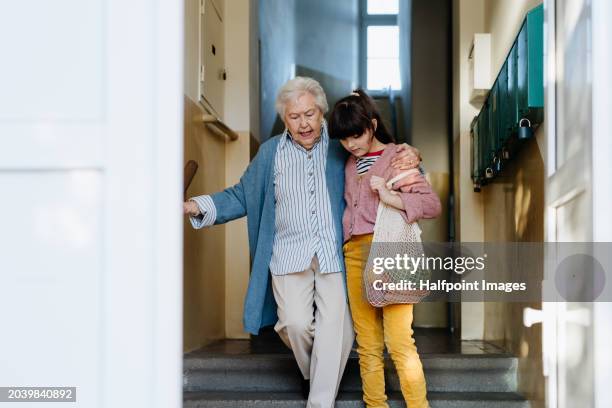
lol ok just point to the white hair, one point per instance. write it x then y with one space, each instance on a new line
297 86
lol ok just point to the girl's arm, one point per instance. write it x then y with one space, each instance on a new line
415 196
420 201
386 195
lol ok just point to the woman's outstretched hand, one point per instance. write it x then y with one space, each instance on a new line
408 157
191 208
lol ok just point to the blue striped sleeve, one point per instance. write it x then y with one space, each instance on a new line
208 212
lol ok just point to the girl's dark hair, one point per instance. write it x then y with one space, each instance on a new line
353 114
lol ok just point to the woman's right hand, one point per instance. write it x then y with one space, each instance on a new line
191 208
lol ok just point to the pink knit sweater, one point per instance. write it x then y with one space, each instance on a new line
420 201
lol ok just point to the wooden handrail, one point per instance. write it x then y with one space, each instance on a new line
217 126
190 171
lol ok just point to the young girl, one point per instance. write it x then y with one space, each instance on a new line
357 123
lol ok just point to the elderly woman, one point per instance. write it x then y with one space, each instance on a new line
292 195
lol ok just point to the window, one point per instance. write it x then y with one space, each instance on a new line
380 45
383 6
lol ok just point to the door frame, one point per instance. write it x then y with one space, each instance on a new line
593 167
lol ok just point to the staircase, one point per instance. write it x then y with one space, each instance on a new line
244 374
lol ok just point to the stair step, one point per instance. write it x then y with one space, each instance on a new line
349 400
278 373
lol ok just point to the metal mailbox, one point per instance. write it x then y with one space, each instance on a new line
530 67
513 117
515 104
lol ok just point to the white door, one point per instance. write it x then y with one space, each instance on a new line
578 193
90 181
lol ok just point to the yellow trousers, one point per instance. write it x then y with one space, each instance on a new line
377 327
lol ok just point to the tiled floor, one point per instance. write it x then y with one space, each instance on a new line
429 341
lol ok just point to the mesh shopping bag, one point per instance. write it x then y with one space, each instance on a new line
393 236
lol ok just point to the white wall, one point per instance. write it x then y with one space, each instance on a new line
90 164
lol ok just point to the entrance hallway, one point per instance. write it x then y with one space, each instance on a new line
479 70
261 372
107 291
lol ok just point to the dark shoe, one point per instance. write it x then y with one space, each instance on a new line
305 384
305 388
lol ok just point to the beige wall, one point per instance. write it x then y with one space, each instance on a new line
240 92
216 259
503 20
519 197
204 250
468 18
429 133
237 261
509 209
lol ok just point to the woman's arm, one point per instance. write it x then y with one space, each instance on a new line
226 205
201 210
406 157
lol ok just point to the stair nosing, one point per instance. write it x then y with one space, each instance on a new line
431 395
211 362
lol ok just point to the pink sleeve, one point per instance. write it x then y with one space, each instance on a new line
420 201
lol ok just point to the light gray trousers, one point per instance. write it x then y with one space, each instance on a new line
321 339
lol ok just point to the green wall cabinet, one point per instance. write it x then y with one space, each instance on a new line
513 116
493 139
530 66
516 99
475 155
505 123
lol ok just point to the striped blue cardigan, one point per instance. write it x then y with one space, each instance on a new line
253 197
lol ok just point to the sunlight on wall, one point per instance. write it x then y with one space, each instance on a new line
522 201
